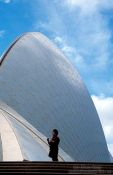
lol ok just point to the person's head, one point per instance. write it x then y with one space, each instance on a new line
55 132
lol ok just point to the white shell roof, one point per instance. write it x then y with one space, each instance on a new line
38 82
20 140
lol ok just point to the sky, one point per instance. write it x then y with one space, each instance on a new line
83 30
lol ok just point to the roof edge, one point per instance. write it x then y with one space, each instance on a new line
13 43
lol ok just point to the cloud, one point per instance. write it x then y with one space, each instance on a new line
83 26
51 22
82 29
85 6
88 6
69 51
2 33
92 39
104 106
94 33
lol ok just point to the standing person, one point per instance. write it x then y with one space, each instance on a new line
53 144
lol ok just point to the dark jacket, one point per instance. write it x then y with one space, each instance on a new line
53 144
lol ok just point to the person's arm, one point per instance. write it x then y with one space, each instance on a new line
58 141
54 142
50 142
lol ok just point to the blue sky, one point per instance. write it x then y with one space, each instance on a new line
83 30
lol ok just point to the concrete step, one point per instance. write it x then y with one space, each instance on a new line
56 168
48 173
59 171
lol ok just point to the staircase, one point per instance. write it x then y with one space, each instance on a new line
56 168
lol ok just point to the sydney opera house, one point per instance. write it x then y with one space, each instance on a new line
40 90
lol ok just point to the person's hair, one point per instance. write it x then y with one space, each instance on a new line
55 131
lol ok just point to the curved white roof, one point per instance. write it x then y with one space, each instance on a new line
20 140
38 82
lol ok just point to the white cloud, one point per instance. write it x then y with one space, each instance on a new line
64 46
83 32
84 5
2 33
104 106
69 51
90 36
89 6
93 32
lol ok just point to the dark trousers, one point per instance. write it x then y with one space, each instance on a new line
54 155
55 158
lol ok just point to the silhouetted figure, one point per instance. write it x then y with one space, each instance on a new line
53 144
